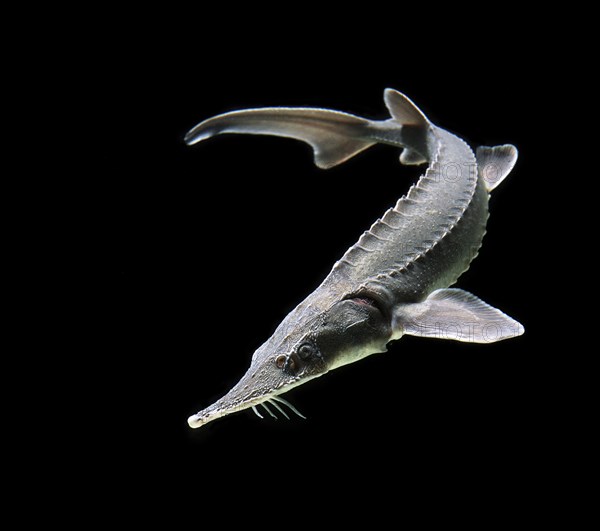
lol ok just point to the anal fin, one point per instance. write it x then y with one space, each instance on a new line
411 157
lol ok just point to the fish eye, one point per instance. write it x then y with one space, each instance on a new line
306 350
280 361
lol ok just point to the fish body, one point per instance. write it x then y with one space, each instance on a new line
395 280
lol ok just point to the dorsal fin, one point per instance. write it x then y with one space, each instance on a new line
403 109
495 163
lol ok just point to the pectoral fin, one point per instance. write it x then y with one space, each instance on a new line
334 136
455 314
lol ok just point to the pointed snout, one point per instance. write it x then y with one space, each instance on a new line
238 398
201 418
222 407
195 421
234 400
256 386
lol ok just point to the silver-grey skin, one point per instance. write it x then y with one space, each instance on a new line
394 280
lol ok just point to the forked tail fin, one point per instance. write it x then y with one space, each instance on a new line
334 136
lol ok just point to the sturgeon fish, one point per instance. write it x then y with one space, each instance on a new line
395 280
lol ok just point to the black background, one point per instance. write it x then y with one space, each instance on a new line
197 253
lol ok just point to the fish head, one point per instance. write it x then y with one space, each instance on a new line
305 346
